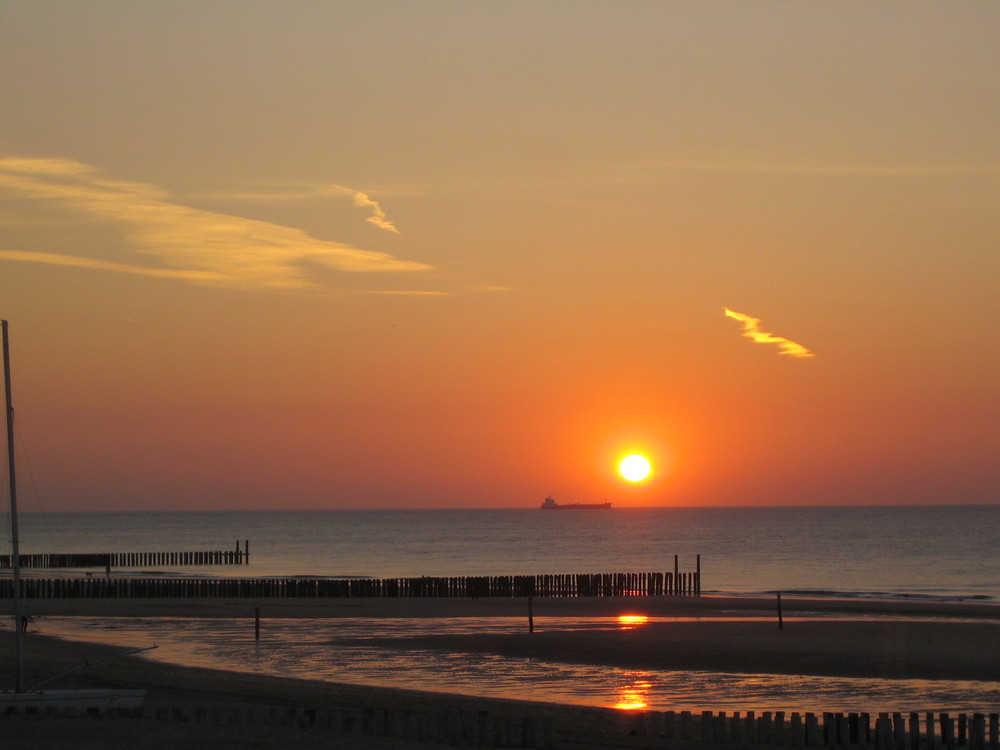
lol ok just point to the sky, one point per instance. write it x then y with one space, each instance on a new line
446 254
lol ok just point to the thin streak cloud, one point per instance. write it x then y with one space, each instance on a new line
751 329
310 192
56 259
378 217
193 244
645 170
846 169
403 292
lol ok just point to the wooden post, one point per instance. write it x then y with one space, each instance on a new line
697 580
707 722
795 725
977 733
677 577
947 731
668 724
531 617
883 733
781 622
256 623
813 736
685 725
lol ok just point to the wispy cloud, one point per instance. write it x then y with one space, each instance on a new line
378 217
818 168
491 289
403 292
751 329
185 242
298 192
56 259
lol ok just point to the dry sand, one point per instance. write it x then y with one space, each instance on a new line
860 638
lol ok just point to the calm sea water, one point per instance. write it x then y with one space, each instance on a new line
950 552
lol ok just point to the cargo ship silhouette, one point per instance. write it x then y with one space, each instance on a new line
551 504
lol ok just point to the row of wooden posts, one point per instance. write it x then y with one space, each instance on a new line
895 731
42 560
463 728
460 728
571 585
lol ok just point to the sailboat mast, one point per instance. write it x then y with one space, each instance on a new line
14 544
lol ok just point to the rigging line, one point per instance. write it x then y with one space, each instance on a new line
25 467
5 496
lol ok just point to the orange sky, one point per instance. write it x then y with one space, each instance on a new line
450 254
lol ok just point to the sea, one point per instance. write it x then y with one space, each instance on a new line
932 553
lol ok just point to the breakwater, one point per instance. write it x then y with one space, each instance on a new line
83 560
640 730
885 731
569 585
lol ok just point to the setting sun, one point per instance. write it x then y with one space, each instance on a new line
634 468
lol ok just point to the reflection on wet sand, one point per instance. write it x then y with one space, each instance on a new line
365 651
635 696
627 622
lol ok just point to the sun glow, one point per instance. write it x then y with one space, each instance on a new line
634 468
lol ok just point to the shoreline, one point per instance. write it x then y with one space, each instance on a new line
828 638
173 688
891 640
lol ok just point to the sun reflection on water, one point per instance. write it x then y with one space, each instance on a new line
635 695
628 622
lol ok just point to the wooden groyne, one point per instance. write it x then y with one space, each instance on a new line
884 731
82 560
648 729
570 585
449 728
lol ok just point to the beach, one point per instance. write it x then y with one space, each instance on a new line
910 640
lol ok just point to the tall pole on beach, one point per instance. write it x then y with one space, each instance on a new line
14 544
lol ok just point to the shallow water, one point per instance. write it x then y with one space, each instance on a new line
332 650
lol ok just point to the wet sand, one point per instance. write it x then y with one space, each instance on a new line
859 638
666 606
191 688
839 648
